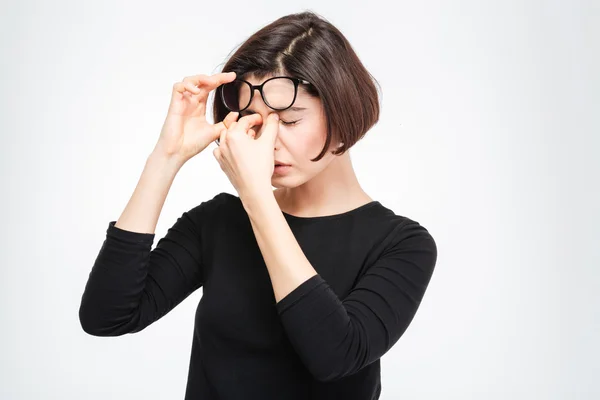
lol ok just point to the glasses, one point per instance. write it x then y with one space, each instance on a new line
278 93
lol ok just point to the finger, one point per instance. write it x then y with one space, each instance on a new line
272 127
222 136
191 87
227 121
186 86
180 87
223 77
208 83
247 122
230 119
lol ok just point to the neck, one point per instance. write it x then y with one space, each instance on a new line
335 190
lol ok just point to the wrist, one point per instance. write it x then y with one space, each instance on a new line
259 201
165 162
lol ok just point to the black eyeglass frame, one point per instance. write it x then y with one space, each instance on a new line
296 81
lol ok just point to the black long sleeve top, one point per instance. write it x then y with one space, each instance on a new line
324 340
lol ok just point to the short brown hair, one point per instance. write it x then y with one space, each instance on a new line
307 46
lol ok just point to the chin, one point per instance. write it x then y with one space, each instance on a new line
283 183
278 185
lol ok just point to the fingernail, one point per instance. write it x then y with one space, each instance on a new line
276 117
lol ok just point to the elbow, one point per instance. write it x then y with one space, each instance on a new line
94 325
325 378
87 322
90 323
326 372
338 365
326 375
333 374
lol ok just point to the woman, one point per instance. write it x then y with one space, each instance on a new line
304 287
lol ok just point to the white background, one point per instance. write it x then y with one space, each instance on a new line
488 137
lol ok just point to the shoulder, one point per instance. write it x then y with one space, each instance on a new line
399 233
221 206
211 205
410 229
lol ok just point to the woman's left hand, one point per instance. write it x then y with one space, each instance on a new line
247 161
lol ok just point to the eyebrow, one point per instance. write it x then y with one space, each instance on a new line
293 108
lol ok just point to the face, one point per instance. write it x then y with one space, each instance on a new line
302 134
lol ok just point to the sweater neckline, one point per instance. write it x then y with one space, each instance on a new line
333 216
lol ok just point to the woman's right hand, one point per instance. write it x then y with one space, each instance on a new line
185 131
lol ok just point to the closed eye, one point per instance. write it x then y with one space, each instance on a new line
244 113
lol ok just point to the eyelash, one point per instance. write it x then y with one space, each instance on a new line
282 121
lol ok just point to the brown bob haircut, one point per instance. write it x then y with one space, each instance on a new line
306 46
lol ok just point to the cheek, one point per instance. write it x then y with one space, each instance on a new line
306 145
312 136
305 141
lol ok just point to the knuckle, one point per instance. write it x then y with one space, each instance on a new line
193 78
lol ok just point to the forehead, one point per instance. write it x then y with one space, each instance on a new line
255 80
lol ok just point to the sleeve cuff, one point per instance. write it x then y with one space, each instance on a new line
301 291
129 236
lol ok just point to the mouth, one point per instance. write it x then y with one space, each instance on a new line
281 169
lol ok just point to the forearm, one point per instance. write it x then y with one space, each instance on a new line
143 209
287 265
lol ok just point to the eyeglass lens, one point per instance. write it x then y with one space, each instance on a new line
278 93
